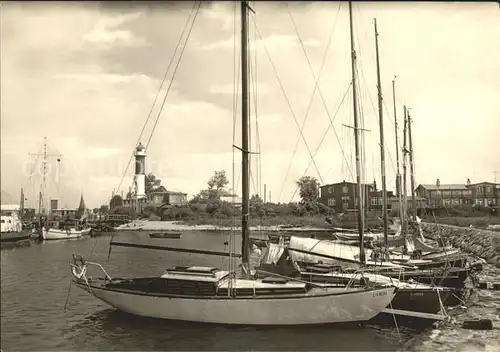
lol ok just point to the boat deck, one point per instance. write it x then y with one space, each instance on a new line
208 281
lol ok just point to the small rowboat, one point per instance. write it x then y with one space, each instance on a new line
174 235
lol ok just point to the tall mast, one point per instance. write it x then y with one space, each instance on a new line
382 146
405 192
245 231
412 171
361 217
398 174
42 186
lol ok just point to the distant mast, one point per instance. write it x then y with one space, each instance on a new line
21 205
41 194
360 193
398 152
412 170
382 146
404 223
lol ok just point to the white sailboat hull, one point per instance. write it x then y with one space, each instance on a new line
313 250
86 231
319 306
56 234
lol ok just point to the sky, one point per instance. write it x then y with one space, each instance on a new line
85 75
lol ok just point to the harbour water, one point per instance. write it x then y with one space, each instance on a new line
35 284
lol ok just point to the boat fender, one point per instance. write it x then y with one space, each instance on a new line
79 262
479 324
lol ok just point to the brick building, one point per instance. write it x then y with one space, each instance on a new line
439 195
342 196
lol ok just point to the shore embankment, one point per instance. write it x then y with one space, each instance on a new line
146 225
480 242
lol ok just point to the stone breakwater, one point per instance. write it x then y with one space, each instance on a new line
482 243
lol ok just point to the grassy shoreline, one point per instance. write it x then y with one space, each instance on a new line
318 221
312 221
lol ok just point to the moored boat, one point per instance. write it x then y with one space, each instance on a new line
172 235
55 230
210 295
12 229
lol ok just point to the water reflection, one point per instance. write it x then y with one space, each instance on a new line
122 329
34 287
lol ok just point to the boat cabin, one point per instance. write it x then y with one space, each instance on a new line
209 282
63 224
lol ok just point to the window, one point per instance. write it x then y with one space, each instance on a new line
488 189
330 189
467 193
380 200
345 190
480 189
435 194
331 202
374 201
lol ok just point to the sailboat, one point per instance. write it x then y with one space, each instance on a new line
213 295
329 257
68 229
56 230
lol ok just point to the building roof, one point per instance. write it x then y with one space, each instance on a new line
451 186
82 204
486 183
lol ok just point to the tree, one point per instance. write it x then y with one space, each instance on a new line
104 209
256 205
116 201
256 200
152 183
218 181
308 188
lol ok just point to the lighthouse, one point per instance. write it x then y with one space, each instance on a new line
140 172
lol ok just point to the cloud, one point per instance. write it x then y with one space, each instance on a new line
277 42
105 32
86 77
99 153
